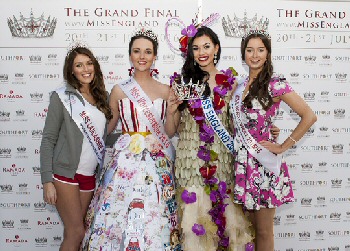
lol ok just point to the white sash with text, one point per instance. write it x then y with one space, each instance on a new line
146 109
216 124
268 159
84 122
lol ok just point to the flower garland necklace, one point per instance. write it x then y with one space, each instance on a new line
216 190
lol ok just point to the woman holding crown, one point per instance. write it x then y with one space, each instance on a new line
204 156
134 206
262 182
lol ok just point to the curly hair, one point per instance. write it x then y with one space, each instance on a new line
259 89
97 86
192 72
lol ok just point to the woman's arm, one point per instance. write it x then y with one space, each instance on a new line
308 118
113 102
173 115
53 123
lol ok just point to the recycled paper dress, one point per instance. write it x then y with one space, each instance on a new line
134 207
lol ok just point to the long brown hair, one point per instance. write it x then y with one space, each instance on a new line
97 86
259 88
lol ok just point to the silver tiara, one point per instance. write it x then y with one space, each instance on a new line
146 33
187 91
261 32
77 44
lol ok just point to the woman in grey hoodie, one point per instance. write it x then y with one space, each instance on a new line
72 145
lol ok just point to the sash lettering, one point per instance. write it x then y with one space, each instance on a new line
268 159
83 120
150 115
216 124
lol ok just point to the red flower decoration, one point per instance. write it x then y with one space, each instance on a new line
183 43
207 171
218 102
222 79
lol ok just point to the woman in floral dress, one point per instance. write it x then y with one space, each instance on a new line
262 181
134 207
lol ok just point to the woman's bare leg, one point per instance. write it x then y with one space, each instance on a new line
71 205
262 221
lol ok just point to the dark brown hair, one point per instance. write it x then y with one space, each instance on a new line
259 88
97 86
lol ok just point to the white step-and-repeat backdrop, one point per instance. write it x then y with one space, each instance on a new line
311 42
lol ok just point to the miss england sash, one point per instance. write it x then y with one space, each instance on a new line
268 159
149 114
216 124
84 122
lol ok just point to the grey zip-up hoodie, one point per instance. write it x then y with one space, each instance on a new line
61 143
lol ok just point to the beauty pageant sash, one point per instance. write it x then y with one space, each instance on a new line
149 114
82 119
216 124
268 159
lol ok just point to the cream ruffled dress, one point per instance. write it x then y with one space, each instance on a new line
188 177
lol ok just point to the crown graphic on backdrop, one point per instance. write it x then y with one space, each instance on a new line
32 27
238 27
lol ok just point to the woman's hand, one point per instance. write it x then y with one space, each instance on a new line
50 195
272 147
275 131
173 103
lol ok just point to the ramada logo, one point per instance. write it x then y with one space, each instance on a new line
16 239
11 95
48 222
14 170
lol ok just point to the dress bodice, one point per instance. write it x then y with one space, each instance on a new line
256 119
130 118
187 163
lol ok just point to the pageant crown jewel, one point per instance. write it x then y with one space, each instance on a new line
143 31
32 27
186 91
256 32
239 27
77 44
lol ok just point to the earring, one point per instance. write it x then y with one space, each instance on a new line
215 59
153 71
131 71
194 63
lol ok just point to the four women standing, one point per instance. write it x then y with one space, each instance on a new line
134 207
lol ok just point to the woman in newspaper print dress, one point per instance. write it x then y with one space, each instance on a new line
134 206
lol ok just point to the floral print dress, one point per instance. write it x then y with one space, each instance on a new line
255 186
134 206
